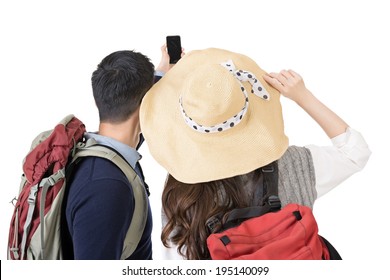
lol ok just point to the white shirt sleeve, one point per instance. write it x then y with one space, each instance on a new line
333 164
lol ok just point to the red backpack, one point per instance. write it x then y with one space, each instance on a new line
34 231
268 232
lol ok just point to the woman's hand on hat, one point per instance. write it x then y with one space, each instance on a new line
289 83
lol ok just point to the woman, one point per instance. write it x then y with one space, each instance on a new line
214 120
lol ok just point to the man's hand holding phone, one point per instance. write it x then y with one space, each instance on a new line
169 56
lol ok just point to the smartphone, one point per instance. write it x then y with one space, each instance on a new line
174 48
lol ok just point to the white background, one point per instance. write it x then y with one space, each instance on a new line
49 50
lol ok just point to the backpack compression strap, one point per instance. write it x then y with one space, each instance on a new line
137 226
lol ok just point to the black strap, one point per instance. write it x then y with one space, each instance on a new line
270 186
270 182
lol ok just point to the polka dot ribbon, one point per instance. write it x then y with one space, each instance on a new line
242 76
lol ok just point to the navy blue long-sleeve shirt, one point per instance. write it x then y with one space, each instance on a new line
99 207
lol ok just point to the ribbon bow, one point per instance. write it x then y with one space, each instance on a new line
246 76
242 76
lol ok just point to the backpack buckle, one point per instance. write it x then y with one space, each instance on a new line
32 195
274 202
212 223
268 168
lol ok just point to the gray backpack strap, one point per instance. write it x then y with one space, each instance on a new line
140 214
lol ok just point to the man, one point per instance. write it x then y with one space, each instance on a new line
99 203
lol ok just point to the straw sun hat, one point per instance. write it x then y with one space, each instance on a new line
212 116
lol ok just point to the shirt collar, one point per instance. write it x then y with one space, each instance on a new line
130 154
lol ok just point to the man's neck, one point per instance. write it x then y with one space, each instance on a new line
126 132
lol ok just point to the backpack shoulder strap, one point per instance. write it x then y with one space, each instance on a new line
137 226
270 186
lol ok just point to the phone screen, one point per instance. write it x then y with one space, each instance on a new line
174 48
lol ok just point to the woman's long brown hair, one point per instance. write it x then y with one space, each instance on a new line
188 207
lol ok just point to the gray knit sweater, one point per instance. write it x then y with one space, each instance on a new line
297 177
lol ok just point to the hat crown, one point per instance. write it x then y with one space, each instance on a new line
211 95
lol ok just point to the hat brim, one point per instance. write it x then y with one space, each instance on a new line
193 157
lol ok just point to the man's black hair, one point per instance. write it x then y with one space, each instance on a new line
119 83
